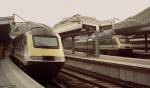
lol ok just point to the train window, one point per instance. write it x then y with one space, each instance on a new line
123 40
106 42
45 42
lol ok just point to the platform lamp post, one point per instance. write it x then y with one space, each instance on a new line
146 45
73 45
84 30
97 41
79 21
86 36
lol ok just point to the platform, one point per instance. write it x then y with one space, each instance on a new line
113 59
12 77
132 70
141 52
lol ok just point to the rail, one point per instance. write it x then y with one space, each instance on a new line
82 76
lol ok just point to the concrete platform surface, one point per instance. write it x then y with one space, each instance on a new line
141 52
12 77
145 63
130 70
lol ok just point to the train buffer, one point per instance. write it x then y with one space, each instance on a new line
12 77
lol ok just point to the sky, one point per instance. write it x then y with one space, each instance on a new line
51 12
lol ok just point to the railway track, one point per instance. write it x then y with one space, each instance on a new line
71 82
54 84
88 79
100 81
75 79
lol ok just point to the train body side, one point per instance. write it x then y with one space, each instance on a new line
139 43
107 45
41 59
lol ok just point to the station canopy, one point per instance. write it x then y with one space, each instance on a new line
5 27
6 20
21 27
10 30
80 25
137 24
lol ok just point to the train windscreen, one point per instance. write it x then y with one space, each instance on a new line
124 40
45 42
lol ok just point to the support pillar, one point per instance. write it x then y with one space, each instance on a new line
73 45
146 42
88 49
97 41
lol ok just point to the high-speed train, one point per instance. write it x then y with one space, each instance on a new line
117 44
110 45
138 42
38 50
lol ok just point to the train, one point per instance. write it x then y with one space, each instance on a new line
108 45
37 49
138 42
115 45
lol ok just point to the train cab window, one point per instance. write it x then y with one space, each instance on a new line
106 42
45 42
123 40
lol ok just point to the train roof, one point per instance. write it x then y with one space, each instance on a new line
42 32
20 28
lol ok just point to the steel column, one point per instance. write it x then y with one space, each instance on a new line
73 45
146 47
97 41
